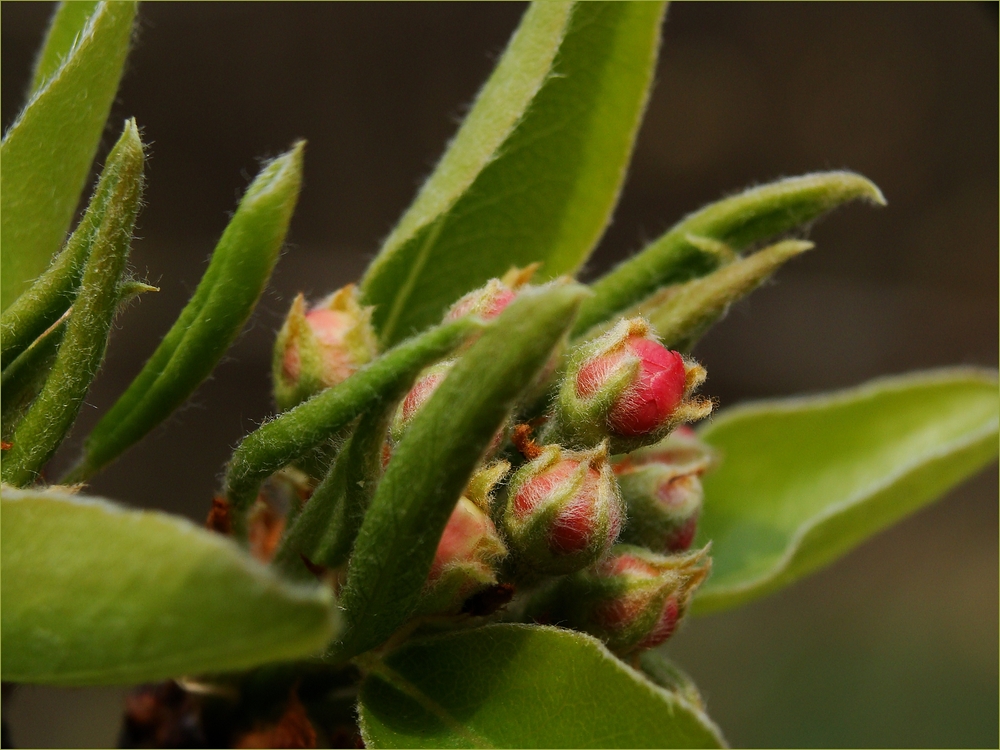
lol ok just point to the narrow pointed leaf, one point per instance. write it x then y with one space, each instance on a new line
52 414
536 168
803 481
682 313
98 594
48 150
433 462
741 221
521 686
66 27
52 293
287 437
228 292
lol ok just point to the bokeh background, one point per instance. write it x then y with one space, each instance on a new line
894 645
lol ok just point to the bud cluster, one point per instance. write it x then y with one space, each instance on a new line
615 464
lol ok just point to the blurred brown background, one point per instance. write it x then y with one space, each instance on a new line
895 645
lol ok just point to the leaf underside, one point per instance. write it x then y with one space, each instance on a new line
803 481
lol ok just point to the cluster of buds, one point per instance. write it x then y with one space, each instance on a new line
563 510
632 599
323 347
661 486
628 388
470 550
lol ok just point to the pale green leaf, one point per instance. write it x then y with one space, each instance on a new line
94 593
48 150
802 481
536 168
65 28
521 686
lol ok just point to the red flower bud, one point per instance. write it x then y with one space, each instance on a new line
465 561
632 600
563 510
323 347
487 302
627 387
662 490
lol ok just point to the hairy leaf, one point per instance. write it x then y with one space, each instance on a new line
802 481
433 462
65 29
225 297
521 686
48 150
535 169
690 249
97 594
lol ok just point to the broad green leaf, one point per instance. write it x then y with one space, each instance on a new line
521 686
52 414
802 481
702 240
535 169
433 462
277 443
65 28
47 152
95 594
226 295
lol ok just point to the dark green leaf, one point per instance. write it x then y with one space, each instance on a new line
536 168
521 686
225 297
802 481
686 251
432 464
48 150
97 594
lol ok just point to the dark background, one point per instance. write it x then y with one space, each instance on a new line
896 644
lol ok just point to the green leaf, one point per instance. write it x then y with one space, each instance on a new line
277 443
432 464
97 594
520 686
535 169
687 250
802 481
48 150
66 26
680 314
51 416
228 292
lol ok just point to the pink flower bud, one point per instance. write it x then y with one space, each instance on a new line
627 387
662 489
632 600
323 347
563 510
465 561
487 302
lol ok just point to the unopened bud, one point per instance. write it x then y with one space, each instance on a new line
563 510
490 300
627 387
661 486
465 562
632 600
323 347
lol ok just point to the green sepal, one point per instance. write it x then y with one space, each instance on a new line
739 222
432 465
52 414
240 267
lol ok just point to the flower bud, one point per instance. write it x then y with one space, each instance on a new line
465 561
632 600
627 386
323 347
563 510
661 486
490 300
